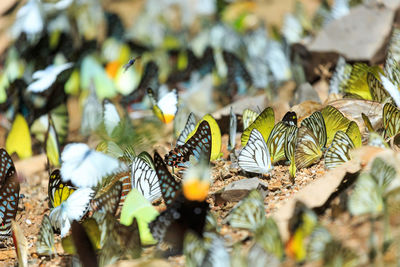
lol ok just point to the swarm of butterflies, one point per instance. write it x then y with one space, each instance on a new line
101 201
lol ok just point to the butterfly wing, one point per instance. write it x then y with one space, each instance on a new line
170 188
276 142
290 145
6 164
199 143
377 90
189 127
108 200
255 157
334 121
338 152
307 150
248 117
145 179
74 208
232 130
58 191
85 167
391 120
263 123
45 240
249 213
316 124
19 138
9 196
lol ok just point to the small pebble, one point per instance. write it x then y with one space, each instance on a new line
28 222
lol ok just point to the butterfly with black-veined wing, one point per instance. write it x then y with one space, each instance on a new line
308 150
200 142
263 123
390 120
45 240
290 145
232 130
145 179
9 193
338 152
108 198
58 191
315 122
189 127
170 188
255 156
248 117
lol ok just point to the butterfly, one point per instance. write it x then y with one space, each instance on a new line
276 141
289 148
74 208
248 117
166 107
199 143
19 138
391 89
263 123
144 178
45 240
340 76
189 127
390 120
249 214
232 130
301 225
334 121
111 117
238 76
58 191
92 113
43 79
308 151
315 122
255 156
108 199
338 152
180 216
9 193
170 188
85 167
83 245
377 89
120 240
357 85
20 244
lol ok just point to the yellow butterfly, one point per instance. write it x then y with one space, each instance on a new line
263 123
308 150
19 138
390 120
290 145
58 190
334 121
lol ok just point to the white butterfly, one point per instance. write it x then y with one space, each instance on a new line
391 89
30 20
111 117
72 209
92 112
255 156
45 78
85 167
167 104
232 130
189 127
145 179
